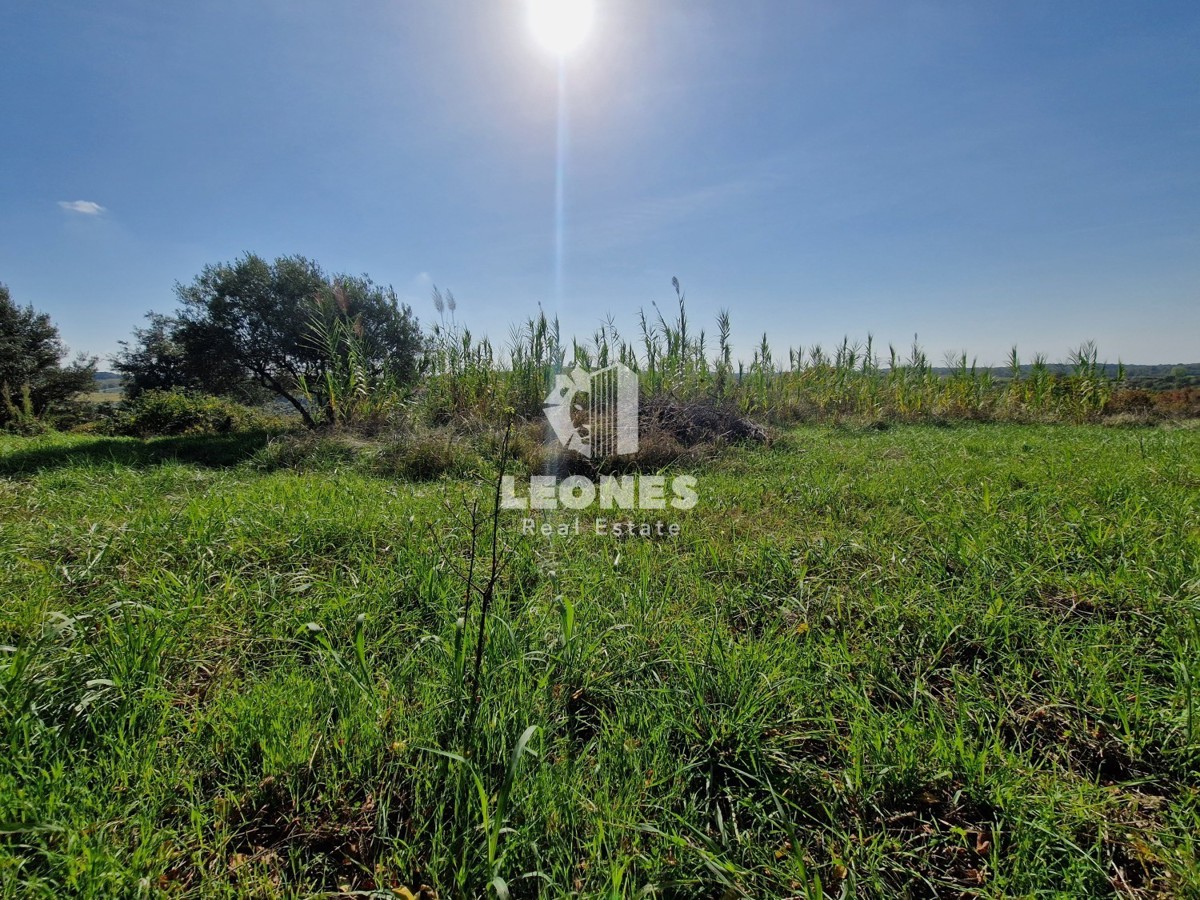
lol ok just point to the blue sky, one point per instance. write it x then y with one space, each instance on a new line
982 174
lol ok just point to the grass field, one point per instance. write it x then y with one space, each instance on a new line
911 662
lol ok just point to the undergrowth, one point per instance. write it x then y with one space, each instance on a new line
904 662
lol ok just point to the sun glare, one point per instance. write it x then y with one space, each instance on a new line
560 25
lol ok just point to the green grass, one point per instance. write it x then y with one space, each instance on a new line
919 661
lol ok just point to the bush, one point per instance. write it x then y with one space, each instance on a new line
670 433
1183 403
74 415
96 426
426 456
527 445
658 448
180 412
25 427
697 423
309 451
1130 401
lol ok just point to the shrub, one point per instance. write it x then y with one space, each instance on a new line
1183 403
73 415
670 433
697 423
310 451
425 456
527 445
658 448
180 412
20 417
1129 400
96 426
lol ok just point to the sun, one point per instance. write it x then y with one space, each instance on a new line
560 25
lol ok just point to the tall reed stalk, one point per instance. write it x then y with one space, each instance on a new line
466 379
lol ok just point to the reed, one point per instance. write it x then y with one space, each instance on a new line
465 379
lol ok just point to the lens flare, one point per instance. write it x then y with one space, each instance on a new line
561 25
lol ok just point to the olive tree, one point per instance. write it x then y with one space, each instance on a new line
265 324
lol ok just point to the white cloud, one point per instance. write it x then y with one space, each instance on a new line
86 207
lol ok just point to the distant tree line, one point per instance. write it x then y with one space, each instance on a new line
340 350
1146 377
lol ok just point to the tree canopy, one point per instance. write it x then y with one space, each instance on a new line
253 324
32 375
